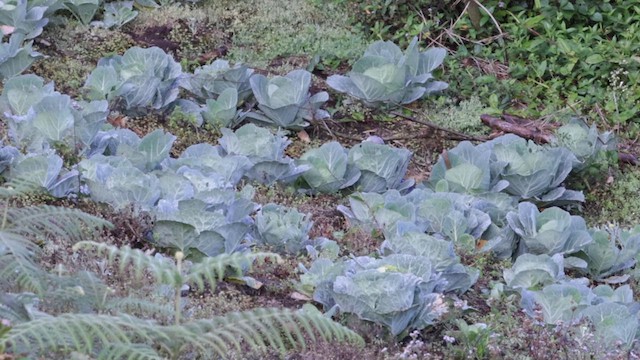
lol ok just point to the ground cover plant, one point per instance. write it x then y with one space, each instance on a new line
313 180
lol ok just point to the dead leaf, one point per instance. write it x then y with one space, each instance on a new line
302 135
300 297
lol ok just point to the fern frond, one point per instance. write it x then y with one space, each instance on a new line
23 272
110 336
209 271
17 261
282 329
15 307
80 332
129 352
136 306
45 220
162 270
212 270
18 187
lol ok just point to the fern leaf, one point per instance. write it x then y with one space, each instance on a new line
129 352
109 336
45 220
17 187
163 271
267 328
136 306
22 272
213 269
80 332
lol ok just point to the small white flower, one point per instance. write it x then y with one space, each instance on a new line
449 339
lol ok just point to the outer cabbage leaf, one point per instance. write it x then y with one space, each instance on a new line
382 167
265 151
284 229
386 76
210 81
223 112
611 251
329 170
552 231
285 100
532 271
147 79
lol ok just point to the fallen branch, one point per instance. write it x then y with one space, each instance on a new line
512 126
528 130
458 135
627 158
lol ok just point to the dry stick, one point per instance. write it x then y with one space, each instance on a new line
538 136
459 135
509 127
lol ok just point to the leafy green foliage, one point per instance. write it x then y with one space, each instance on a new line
386 76
24 229
40 117
265 151
285 101
141 78
83 10
330 169
16 56
109 337
511 164
283 229
222 112
116 14
210 81
24 17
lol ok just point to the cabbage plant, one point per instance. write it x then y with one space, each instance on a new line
285 101
16 56
382 212
552 231
534 271
116 181
116 14
40 118
330 169
382 167
210 81
223 112
386 76
212 228
142 79
588 145
24 17
265 150
613 313
612 251
508 164
283 229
